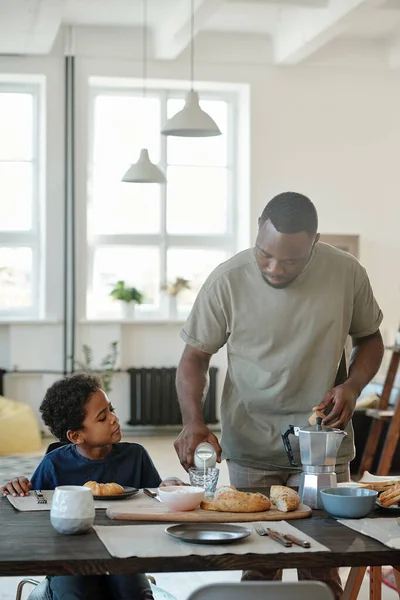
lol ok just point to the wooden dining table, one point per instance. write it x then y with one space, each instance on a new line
30 546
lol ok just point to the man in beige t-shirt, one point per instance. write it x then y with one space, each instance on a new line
284 310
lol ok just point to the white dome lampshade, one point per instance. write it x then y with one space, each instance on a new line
144 171
191 121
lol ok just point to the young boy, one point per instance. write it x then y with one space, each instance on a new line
78 412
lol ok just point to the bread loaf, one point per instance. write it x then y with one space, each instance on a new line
104 489
391 496
285 499
229 499
313 419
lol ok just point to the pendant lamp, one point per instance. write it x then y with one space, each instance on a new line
191 121
144 171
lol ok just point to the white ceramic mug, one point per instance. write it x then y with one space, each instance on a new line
72 509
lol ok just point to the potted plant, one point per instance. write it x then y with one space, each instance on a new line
128 297
106 367
172 290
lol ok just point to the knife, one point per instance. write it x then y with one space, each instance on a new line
291 538
151 494
278 537
297 541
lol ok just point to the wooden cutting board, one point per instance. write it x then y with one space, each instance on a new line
143 508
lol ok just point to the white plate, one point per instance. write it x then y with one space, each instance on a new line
369 478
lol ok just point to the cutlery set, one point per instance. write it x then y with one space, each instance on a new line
284 539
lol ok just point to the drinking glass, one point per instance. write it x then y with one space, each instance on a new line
206 478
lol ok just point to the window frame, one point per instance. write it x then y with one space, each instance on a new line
30 238
163 240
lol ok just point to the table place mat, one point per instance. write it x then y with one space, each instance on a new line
386 531
30 503
152 541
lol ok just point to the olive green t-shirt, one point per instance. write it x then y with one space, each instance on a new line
283 346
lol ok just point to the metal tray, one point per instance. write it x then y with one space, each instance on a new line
208 533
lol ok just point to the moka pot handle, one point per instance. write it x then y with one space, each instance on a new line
285 438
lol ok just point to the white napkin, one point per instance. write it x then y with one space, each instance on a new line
386 531
151 540
30 503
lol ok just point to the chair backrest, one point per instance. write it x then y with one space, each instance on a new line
53 446
264 590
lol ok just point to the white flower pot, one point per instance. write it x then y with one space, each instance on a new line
173 307
128 310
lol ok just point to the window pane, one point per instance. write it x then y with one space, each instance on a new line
16 196
200 151
192 264
122 126
197 200
16 126
15 277
122 207
139 267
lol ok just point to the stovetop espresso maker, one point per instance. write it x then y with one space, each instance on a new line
318 449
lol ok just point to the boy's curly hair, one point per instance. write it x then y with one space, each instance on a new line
63 407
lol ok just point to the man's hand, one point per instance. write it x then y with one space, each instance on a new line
19 486
188 440
343 398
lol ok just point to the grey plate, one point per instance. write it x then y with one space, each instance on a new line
128 492
394 508
208 533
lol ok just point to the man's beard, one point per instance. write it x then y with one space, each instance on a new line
278 286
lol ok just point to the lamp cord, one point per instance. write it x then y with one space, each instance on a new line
144 49
192 47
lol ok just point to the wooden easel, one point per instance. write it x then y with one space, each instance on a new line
375 432
355 579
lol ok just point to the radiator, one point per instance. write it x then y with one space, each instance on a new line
154 400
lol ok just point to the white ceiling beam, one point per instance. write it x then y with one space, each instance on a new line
46 23
172 37
29 26
394 53
303 32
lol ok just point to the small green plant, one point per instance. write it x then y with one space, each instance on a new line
126 294
106 368
177 286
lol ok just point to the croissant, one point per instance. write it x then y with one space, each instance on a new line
104 489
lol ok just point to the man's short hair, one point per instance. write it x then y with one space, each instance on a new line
291 212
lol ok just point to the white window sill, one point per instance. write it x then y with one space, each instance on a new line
25 321
130 322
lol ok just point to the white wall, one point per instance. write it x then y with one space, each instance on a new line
332 133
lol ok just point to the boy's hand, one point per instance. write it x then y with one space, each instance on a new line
19 486
172 481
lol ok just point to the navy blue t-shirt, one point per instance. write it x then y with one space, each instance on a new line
128 464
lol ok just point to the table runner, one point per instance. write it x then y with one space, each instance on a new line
29 503
152 541
386 531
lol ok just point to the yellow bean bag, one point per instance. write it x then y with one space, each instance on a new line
19 430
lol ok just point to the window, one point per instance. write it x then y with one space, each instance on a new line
144 234
19 193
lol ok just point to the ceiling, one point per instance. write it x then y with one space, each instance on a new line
296 29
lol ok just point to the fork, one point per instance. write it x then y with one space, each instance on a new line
272 534
40 498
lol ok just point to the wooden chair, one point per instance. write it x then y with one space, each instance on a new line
380 415
260 590
355 579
